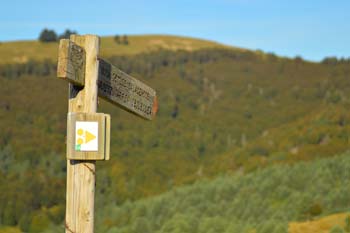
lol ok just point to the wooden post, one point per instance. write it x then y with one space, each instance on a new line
81 174
89 77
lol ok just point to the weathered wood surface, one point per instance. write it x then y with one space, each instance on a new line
127 92
81 174
108 137
89 77
71 62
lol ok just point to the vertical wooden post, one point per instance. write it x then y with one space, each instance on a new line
81 174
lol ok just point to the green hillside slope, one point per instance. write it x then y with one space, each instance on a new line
215 106
321 133
263 202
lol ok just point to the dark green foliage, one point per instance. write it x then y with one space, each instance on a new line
8 216
117 39
66 34
47 35
265 201
298 59
335 61
41 69
259 150
6 158
347 224
125 40
315 209
143 64
25 221
175 111
221 111
56 214
39 223
337 229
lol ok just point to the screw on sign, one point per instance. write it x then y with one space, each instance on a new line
88 132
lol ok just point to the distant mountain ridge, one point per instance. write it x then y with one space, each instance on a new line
23 51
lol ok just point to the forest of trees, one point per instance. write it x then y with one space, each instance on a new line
221 112
48 35
265 201
123 40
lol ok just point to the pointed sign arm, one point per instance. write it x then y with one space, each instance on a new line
71 62
125 91
114 85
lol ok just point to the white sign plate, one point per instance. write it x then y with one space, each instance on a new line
86 136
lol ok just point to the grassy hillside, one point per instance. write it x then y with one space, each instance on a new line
327 224
23 51
321 133
9 230
262 202
221 111
282 198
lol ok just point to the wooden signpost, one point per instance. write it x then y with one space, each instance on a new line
88 132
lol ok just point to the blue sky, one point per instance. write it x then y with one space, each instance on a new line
311 29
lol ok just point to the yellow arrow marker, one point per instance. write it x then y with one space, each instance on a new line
89 136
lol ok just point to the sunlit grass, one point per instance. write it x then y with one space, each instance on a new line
22 51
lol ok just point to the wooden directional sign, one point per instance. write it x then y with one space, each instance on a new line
114 85
127 92
71 62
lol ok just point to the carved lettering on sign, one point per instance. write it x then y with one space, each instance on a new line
77 57
120 88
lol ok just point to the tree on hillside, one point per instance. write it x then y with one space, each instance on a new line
48 35
121 39
298 59
66 34
117 39
125 40
347 224
330 61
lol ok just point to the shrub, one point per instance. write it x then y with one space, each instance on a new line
259 150
24 222
315 209
347 224
125 40
56 214
66 34
39 223
47 35
117 39
336 229
330 61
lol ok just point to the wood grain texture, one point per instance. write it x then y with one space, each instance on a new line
71 62
107 136
81 174
125 91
